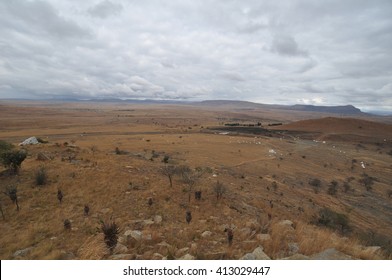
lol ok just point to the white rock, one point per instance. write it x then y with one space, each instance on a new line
29 141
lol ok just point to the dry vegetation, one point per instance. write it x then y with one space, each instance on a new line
138 166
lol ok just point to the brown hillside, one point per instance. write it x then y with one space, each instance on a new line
342 129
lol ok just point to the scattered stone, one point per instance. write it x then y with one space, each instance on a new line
372 250
181 252
157 256
66 255
245 233
163 248
193 249
248 257
330 254
257 254
22 252
133 234
147 237
297 257
286 223
122 240
293 248
158 219
106 210
187 257
206 234
263 237
120 249
122 257
148 222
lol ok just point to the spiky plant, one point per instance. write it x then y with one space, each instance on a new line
67 224
111 231
86 210
1 210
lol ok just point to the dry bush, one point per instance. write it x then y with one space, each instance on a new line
41 177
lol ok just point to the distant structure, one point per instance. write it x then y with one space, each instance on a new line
188 216
60 195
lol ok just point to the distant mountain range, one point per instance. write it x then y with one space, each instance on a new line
345 110
233 104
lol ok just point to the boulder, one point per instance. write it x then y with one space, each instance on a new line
30 141
330 254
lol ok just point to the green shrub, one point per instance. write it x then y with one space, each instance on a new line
12 159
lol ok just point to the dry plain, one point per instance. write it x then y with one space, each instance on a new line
266 173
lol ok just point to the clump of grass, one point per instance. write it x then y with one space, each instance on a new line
67 224
41 177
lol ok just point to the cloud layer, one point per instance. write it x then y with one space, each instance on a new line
310 52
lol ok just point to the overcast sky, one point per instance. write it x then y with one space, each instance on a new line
333 52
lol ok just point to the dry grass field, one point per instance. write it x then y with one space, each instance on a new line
111 156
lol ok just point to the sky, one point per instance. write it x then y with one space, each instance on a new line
334 52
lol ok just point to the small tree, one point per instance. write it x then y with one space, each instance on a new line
12 160
191 177
169 171
12 193
219 190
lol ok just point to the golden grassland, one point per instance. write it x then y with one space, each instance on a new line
266 180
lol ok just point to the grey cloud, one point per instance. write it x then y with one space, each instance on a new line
286 45
265 51
105 9
38 18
